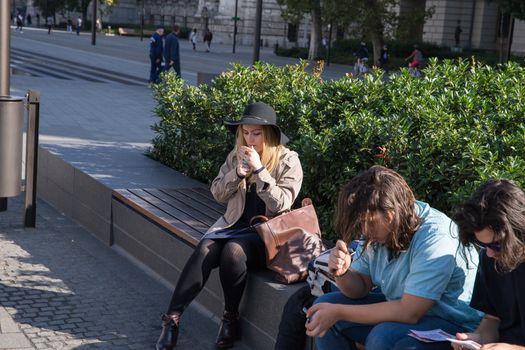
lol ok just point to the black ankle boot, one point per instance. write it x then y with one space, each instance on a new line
170 332
230 330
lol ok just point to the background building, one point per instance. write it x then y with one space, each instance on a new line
482 25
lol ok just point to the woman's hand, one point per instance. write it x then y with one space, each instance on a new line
251 157
339 260
320 317
242 166
466 336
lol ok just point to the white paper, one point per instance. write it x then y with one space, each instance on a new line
466 344
436 335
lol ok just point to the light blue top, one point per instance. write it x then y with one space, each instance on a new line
431 268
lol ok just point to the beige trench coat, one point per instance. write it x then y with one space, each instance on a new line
278 189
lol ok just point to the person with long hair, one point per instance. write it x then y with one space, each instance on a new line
411 252
494 220
260 176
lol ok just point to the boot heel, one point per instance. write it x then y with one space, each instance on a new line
229 331
169 334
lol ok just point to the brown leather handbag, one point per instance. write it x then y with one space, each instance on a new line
292 240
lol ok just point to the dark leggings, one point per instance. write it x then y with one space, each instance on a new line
234 257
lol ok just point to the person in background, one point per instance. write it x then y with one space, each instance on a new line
171 51
29 19
415 58
155 54
49 22
360 66
457 33
20 22
38 20
259 177
384 58
79 24
69 25
411 252
494 220
193 39
208 36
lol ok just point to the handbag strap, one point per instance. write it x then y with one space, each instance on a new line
257 219
262 218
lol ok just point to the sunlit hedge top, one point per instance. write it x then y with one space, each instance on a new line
460 124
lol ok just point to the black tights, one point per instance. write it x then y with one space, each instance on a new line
233 257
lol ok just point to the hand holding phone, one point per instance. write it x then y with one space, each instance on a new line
340 259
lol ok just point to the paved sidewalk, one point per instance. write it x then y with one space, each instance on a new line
60 288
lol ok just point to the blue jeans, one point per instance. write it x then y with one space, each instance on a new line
382 336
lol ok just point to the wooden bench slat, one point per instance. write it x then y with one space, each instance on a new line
202 198
170 210
158 216
185 205
209 209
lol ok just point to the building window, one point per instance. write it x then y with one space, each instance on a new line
503 25
292 32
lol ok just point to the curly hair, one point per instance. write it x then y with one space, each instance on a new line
498 205
378 189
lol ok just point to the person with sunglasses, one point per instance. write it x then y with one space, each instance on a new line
494 220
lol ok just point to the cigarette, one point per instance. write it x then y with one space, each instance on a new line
305 310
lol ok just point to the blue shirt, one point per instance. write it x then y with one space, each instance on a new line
431 268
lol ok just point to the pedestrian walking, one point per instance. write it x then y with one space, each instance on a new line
457 33
171 51
155 54
193 39
79 25
20 22
69 27
49 23
384 58
29 19
38 20
208 36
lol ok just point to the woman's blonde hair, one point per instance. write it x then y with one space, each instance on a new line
272 148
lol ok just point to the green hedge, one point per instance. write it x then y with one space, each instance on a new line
461 124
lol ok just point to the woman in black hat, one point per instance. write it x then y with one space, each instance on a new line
259 177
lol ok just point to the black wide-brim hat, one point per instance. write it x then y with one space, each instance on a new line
258 113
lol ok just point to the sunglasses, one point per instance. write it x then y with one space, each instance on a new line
495 246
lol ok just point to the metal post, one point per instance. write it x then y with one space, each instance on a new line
235 18
94 24
33 98
142 16
257 32
5 45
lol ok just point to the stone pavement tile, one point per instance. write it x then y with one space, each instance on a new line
6 323
14 341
